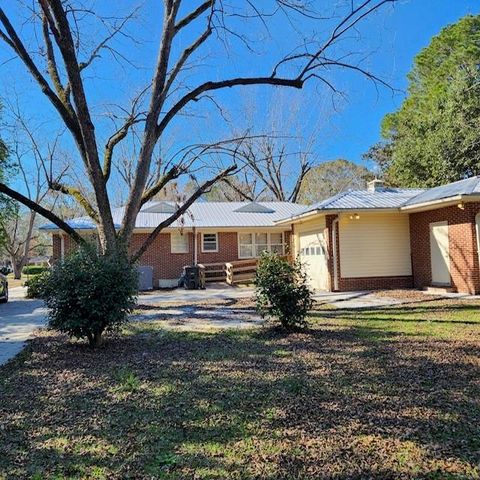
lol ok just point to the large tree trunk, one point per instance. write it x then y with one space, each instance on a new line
95 339
17 265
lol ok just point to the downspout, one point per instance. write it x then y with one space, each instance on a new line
62 246
335 254
195 254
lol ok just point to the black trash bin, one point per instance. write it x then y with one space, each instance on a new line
194 277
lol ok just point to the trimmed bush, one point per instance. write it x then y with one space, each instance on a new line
33 269
89 293
282 291
36 285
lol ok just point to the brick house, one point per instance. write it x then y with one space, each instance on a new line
211 232
392 238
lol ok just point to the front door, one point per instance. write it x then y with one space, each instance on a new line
313 255
440 253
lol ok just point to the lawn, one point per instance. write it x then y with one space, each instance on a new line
387 393
12 282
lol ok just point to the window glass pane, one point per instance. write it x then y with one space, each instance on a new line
179 243
245 239
276 238
246 251
210 242
279 249
261 238
259 249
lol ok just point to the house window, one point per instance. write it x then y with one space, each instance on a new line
276 243
251 245
261 243
209 242
245 242
179 243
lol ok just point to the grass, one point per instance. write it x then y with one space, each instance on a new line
385 393
12 282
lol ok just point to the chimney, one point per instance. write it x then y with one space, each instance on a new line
375 185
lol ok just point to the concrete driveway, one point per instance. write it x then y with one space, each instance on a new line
214 291
18 320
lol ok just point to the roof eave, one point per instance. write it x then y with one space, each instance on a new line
335 211
440 203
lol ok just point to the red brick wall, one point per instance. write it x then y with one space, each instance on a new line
374 283
56 247
329 225
68 245
464 268
167 265
227 249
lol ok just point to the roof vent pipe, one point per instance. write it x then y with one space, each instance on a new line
375 185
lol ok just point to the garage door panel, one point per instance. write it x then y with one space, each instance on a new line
313 254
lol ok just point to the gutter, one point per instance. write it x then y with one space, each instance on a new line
443 202
336 211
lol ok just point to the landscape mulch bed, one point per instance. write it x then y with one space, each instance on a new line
339 401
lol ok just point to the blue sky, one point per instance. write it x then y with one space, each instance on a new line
387 41
405 32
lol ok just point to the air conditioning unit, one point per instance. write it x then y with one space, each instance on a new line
145 278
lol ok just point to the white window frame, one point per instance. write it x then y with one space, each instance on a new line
269 243
216 243
187 246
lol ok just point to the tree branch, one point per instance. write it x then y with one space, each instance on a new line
43 212
16 44
173 173
181 210
193 15
78 196
209 86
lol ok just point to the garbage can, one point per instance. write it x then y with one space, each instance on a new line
194 277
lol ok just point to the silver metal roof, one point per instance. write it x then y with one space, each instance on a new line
364 199
200 215
469 186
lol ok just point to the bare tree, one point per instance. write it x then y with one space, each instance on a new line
171 91
29 160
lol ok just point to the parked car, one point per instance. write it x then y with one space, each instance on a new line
3 289
5 270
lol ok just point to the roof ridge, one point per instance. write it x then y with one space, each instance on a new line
335 197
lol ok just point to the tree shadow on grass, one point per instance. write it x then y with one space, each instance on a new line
328 403
404 313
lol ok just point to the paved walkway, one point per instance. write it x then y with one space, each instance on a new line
214 291
19 318
355 299
202 319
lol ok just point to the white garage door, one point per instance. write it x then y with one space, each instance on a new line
313 254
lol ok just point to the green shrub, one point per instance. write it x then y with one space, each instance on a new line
36 285
89 293
33 269
282 291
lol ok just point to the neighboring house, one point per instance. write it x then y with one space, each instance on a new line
210 232
392 238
